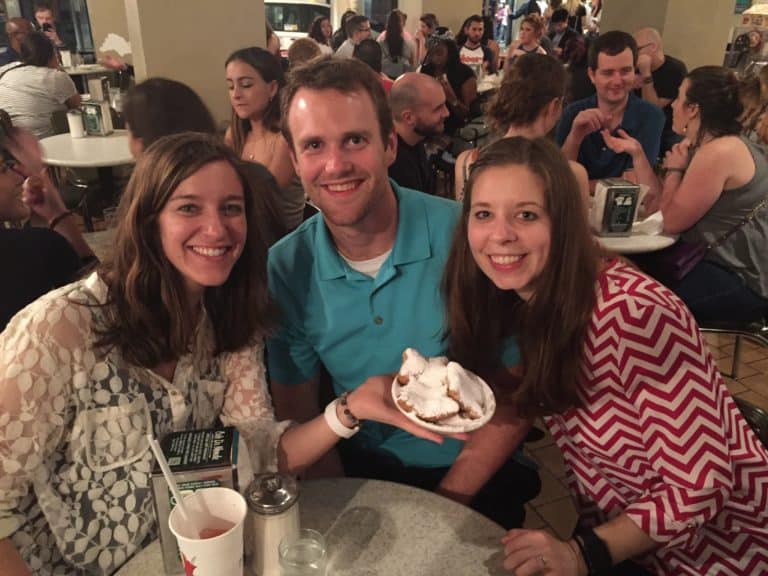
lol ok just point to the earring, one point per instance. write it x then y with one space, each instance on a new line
685 128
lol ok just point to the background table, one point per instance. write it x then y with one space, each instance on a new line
381 528
100 152
87 70
636 243
88 152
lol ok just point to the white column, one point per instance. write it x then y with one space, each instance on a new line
189 41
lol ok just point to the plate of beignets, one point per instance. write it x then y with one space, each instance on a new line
441 395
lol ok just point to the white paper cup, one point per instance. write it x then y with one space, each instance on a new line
75 122
214 509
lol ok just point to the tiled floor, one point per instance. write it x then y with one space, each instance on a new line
553 508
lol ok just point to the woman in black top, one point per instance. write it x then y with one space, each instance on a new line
458 81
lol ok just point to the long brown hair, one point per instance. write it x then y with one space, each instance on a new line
551 326
529 86
268 67
147 314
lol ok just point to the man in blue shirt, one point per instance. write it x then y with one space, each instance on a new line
602 132
360 282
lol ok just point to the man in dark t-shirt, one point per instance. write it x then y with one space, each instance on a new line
36 260
660 77
419 111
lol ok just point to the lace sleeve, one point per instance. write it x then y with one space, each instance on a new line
248 406
39 352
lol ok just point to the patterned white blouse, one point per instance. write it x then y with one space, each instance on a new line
74 461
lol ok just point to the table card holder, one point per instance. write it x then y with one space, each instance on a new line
66 58
97 118
614 206
98 88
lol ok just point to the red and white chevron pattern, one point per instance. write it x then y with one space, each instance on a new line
660 438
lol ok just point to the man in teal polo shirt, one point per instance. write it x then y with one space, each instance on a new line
360 282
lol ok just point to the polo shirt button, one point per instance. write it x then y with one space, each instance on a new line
378 320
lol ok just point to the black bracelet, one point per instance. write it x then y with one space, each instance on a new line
596 555
53 222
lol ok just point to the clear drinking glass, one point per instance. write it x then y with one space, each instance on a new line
303 554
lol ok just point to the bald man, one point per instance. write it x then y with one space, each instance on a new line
419 112
660 79
16 29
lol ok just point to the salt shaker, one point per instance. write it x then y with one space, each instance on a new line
273 510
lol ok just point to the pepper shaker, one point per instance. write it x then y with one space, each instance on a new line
273 510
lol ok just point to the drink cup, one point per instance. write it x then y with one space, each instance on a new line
303 554
219 514
75 123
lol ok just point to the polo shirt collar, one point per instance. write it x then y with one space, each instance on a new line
411 241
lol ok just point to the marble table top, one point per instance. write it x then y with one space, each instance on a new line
375 528
87 152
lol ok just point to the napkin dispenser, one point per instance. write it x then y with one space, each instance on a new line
97 118
98 88
614 206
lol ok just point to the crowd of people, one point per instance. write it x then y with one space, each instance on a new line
271 276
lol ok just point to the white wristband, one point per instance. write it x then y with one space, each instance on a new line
338 428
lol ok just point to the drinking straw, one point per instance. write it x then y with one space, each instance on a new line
158 452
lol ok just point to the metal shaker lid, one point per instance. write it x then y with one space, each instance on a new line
272 493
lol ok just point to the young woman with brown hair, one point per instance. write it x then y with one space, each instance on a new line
166 336
531 29
667 475
254 80
528 103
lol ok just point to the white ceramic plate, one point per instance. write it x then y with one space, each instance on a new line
636 243
456 423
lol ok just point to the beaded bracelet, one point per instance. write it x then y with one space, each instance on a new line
343 400
335 423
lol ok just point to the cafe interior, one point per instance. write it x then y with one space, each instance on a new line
360 526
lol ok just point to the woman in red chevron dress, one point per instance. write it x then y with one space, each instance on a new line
667 474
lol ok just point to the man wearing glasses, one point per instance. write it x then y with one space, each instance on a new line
16 29
34 259
660 77
358 29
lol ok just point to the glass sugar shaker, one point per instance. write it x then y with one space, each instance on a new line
273 514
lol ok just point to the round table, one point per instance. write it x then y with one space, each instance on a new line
86 70
100 152
381 528
636 243
88 152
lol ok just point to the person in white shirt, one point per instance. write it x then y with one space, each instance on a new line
358 29
33 89
472 52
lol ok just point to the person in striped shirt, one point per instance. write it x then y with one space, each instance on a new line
666 473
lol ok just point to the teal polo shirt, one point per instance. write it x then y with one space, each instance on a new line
357 326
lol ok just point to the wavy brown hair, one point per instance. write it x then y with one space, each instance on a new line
552 325
147 313
533 81
715 89
268 67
